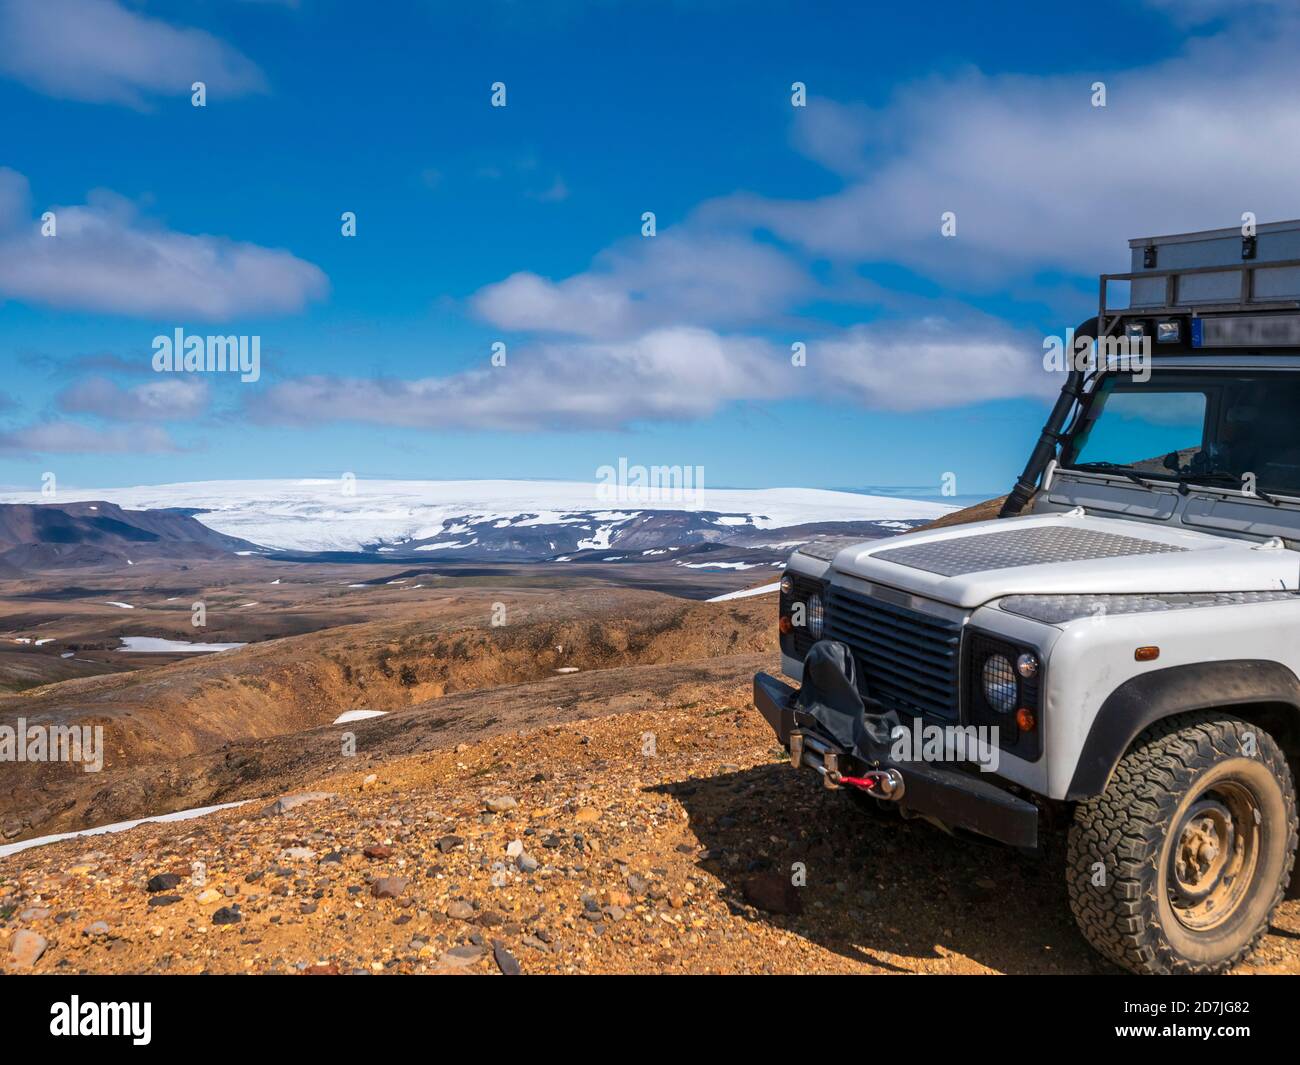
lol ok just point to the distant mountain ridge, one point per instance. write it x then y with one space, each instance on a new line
506 519
39 536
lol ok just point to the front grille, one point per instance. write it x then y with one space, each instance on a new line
906 659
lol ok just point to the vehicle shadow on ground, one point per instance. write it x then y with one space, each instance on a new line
896 895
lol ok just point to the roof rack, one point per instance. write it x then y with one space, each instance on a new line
1247 269
1108 317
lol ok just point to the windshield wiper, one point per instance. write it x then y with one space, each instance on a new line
1219 477
1113 467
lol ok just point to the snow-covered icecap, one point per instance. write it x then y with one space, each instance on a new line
339 515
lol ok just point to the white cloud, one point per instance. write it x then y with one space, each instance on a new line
64 437
1041 182
680 374
1040 179
1044 186
105 257
170 399
929 365
837 135
692 277
101 52
671 374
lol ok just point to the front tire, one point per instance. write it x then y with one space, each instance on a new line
1179 865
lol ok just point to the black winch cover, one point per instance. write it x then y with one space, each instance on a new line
830 697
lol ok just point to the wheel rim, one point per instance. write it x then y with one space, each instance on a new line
1214 855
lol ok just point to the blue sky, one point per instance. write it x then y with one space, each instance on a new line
775 225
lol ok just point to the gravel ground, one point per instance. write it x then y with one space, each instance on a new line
660 841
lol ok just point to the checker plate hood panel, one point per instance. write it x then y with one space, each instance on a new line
969 565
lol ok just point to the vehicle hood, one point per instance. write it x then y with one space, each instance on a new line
1068 553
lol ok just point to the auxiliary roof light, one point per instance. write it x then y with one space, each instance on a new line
1169 332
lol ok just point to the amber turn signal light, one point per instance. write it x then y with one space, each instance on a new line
785 625
1025 719
1146 654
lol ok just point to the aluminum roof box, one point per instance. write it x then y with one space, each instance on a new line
1197 284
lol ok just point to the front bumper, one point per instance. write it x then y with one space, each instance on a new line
955 798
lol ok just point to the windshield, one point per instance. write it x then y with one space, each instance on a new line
1238 430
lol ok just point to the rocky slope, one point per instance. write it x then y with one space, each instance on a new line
155 719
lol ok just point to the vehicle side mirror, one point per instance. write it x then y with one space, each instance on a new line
1171 462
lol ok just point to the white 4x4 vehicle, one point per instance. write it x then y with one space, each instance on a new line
1121 645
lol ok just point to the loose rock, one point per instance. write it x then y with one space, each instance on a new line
772 892
388 887
506 961
286 803
27 948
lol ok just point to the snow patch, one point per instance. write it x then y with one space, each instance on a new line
158 645
357 715
599 541
746 593
117 826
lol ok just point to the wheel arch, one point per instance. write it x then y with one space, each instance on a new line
1260 691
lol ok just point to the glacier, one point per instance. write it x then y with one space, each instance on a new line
342 514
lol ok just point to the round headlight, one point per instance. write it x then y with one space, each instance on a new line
999 681
1027 665
787 585
816 616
